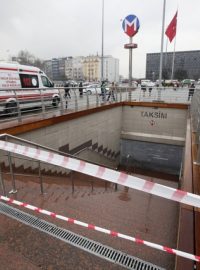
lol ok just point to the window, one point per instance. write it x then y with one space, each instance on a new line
46 82
29 81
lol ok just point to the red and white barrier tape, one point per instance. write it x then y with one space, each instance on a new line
106 231
103 173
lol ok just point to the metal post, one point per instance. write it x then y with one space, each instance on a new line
162 42
116 93
97 99
2 182
102 43
18 108
120 94
72 180
198 151
62 100
88 102
115 187
40 177
130 64
161 53
76 101
130 70
140 94
92 184
106 186
43 106
13 190
173 59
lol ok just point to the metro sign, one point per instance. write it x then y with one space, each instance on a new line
131 25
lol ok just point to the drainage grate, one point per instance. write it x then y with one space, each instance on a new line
102 251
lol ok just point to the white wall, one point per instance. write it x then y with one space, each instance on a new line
162 125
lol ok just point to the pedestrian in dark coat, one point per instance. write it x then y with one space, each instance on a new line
67 90
81 89
103 90
191 91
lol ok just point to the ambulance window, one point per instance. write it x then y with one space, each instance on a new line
46 82
29 81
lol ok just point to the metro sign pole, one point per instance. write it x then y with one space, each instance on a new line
130 26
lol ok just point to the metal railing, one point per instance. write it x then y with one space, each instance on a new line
195 119
19 105
37 164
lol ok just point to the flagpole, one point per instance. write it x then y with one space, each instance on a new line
166 53
161 53
173 59
102 44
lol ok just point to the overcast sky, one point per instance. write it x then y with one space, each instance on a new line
59 28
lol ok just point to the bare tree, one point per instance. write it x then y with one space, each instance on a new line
24 57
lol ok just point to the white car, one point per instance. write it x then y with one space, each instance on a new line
147 83
93 89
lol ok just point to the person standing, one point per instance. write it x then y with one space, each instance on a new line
67 90
191 91
103 90
150 90
81 89
111 92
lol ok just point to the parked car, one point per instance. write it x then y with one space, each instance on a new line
171 83
158 81
187 82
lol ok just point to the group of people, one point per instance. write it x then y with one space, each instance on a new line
112 91
67 88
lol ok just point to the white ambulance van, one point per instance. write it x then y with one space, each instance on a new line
24 87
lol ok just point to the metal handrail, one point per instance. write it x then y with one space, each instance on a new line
6 136
195 120
85 101
14 190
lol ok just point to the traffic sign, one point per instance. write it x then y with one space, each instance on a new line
131 25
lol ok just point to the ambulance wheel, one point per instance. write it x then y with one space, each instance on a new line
56 102
11 108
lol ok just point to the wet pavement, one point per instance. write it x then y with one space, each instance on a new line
123 210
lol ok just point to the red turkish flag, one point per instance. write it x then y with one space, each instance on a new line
171 29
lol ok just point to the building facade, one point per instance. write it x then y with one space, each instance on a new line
55 68
186 65
77 68
82 68
69 68
111 69
92 68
